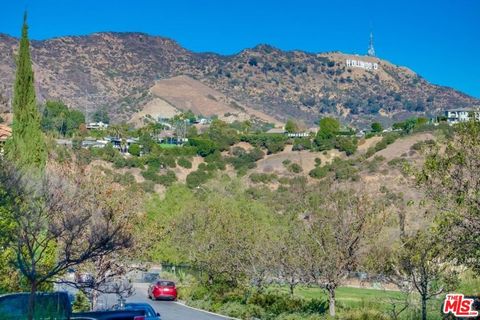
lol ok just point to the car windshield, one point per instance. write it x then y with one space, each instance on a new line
149 312
166 283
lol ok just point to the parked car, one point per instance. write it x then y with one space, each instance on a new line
162 289
56 305
49 305
150 313
110 315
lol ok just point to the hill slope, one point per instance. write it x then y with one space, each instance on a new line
117 70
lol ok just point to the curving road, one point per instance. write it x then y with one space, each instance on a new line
172 310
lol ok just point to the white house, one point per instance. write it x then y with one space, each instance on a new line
97 125
462 115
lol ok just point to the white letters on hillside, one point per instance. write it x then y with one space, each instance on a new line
362 64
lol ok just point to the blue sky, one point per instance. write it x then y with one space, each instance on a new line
438 39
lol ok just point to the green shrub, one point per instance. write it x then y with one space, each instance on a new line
276 303
150 174
319 172
134 150
295 168
166 179
168 161
302 144
197 178
215 161
245 161
263 177
204 146
397 162
272 142
119 161
418 146
125 179
318 162
349 145
242 311
148 186
184 163
286 162
134 162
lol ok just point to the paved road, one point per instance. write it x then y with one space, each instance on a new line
171 310
168 310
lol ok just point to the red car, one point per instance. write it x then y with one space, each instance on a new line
162 289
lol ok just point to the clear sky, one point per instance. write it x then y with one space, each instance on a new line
439 39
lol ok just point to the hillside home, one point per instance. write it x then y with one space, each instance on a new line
97 126
299 134
462 115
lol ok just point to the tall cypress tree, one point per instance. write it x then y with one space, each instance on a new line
26 148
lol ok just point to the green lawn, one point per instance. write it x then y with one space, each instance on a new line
349 298
168 145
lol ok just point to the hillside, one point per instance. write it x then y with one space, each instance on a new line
117 70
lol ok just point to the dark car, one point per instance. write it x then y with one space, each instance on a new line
162 289
51 305
150 313
110 315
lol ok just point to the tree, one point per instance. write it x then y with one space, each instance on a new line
61 220
451 181
329 127
420 264
291 126
226 236
101 116
290 253
377 127
340 225
26 148
57 117
134 150
108 276
349 145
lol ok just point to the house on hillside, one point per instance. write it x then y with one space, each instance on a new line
299 134
462 115
97 125
276 131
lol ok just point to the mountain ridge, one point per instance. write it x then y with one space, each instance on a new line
116 70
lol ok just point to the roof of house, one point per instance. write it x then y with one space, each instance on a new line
461 110
276 130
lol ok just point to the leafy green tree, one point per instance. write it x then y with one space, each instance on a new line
419 262
57 117
377 127
450 179
26 148
349 145
222 135
101 116
134 150
329 127
291 126
340 223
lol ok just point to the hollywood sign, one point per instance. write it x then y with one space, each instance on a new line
362 64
